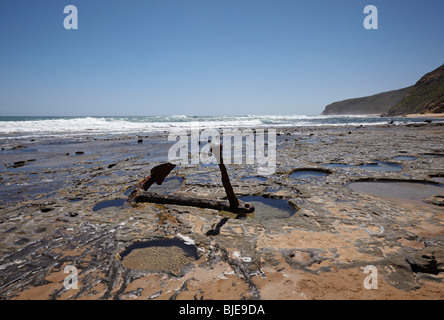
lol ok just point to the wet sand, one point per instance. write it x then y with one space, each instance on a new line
51 187
425 115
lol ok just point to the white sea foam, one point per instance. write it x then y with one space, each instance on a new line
114 125
21 126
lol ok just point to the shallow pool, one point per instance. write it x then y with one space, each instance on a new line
397 189
268 208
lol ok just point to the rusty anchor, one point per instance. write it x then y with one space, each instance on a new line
160 172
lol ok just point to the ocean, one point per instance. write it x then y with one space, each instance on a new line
19 127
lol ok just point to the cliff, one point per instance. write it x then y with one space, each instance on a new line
375 104
426 96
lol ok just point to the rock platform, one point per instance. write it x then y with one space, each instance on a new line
48 221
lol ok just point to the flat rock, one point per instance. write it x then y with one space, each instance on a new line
320 252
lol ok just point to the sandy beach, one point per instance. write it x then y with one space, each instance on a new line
425 115
63 204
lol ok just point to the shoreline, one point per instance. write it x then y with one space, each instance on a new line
73 128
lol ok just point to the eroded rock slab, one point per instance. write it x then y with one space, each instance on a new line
60 211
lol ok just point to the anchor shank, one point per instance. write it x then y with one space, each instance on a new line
217 150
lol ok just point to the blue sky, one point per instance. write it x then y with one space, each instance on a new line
209 57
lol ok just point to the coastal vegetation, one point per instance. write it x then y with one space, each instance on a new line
426 96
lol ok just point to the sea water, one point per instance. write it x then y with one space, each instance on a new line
14 127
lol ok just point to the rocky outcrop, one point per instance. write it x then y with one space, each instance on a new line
375 104
59 214
426 96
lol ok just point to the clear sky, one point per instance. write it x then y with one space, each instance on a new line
210 57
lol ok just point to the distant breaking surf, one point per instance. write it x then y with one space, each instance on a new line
149 124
